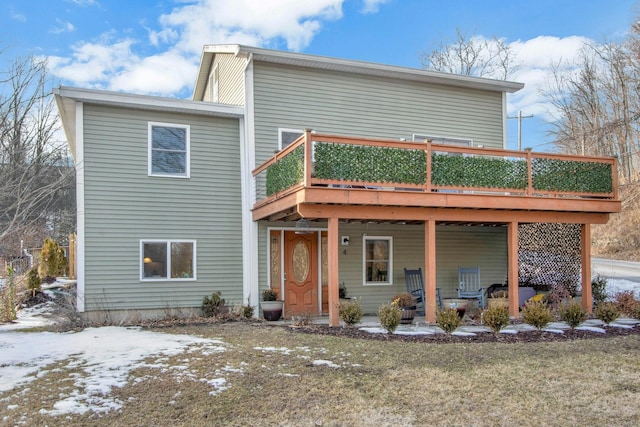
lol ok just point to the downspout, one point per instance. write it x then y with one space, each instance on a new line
250 282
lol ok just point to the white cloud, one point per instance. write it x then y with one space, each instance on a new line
112 64
18 17
62 27
372 6
535 58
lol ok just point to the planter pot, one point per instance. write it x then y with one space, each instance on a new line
272 310
407 315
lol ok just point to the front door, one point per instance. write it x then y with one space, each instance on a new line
301 273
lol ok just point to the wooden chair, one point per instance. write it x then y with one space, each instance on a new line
469 284
415 286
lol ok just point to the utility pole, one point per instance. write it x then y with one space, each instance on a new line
520 117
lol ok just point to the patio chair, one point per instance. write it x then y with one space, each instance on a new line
415 286
469 284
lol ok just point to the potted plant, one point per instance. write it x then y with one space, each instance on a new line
271 306
342 292
407 304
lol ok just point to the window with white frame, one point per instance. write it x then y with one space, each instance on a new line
377 260
287 136
167 260
169 150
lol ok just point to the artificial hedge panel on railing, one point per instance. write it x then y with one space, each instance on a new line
478 172
571 175
286 172
369 163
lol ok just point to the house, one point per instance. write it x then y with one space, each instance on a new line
301 173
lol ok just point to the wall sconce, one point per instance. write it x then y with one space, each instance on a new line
147 260
344 240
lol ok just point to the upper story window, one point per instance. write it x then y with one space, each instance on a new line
167 260
287 136
442 140
377 260
169 150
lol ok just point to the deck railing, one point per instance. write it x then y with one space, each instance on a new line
349 162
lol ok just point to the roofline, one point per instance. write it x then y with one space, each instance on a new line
347 66
148 102
68 97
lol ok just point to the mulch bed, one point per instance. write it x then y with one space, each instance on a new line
530 336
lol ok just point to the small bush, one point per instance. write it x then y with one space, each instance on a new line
269 295
389 315
626 302
212 306
636 312
607 312
599 289
52 259
342 291
350 312
537 314
496 318
302 319
573 314
405 300
558 294
33 281
448 319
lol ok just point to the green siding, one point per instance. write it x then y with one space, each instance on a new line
456 246
124 205
359 105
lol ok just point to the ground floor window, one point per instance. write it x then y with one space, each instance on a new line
377 260
167 259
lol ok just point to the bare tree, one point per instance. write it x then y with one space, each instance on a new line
36 177
472 56
596 103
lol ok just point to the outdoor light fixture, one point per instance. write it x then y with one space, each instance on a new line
302 226
147 260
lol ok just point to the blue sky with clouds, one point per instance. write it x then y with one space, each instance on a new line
153 47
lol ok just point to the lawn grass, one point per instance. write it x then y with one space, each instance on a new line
278 377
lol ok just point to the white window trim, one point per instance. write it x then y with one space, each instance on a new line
364 261
420 137
281 130
168 278
187 173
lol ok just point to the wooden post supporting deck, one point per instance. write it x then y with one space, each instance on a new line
585 243
430 270
512 274
332 252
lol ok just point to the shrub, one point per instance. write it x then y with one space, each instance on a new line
52 259
496 318
269 295
537 314
626 302
389 315
558 294
599 289
607 312
405 300
636 312
448 319
212 306
573 314
33 281
350 312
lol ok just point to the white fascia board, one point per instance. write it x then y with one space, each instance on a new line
367 68
147 102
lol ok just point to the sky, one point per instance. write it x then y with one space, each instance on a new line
154 47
